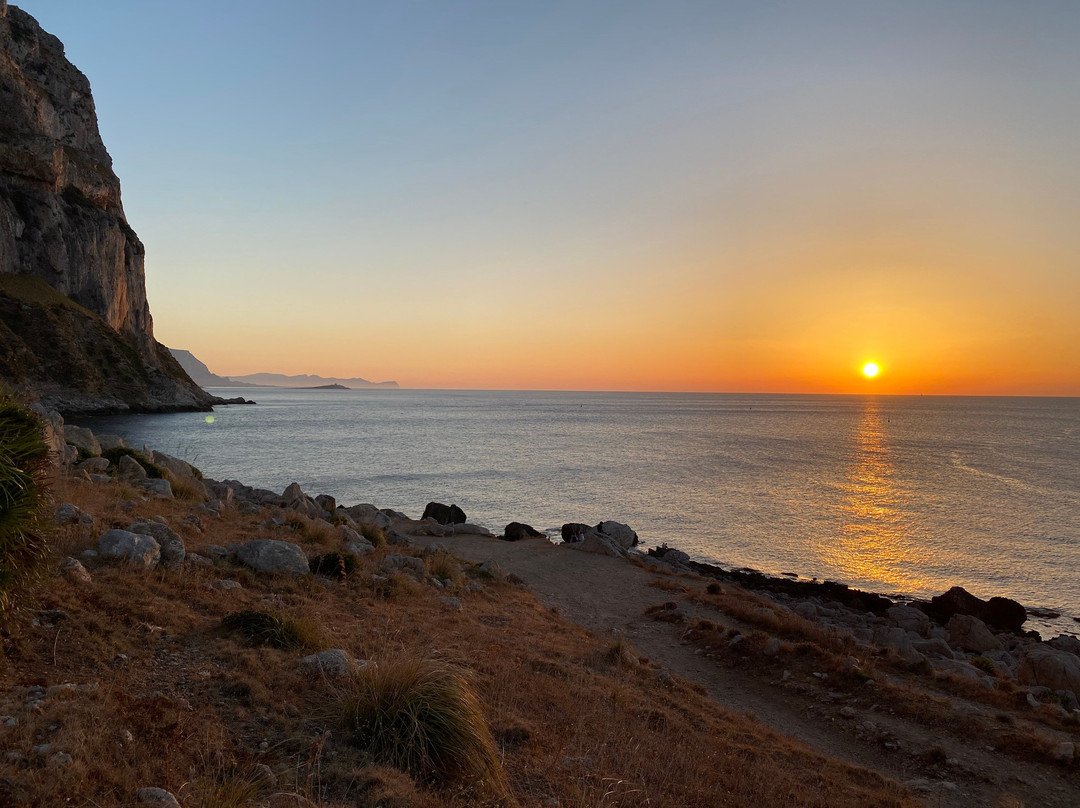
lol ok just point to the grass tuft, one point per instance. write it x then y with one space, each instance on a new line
275 630
422 715
375 535
444 566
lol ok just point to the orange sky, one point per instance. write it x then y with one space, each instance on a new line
604 196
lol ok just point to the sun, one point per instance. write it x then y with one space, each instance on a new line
870 370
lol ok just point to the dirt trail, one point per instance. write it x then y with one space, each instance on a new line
608 595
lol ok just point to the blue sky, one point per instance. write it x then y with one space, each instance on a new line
432 191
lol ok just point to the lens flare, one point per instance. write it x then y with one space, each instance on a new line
209 419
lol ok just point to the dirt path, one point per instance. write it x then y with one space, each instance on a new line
608 596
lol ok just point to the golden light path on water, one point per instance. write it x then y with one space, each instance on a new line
873 544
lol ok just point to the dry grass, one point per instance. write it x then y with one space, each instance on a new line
311 531
577 721
422 715
445 567
276 630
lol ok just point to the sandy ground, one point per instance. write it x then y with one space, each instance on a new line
609 596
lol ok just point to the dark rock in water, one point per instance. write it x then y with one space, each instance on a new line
573 531
1001 613
826 590
444 514
515 531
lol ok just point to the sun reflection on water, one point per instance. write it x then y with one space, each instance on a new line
873 543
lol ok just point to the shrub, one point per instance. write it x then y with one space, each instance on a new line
314 531
984 664
233 790
444 566
152 469
274 630
23 457
375 535
422 715
338 565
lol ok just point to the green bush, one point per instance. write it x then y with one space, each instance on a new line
422 716
23 458
152 469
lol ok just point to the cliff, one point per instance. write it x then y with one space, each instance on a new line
62 222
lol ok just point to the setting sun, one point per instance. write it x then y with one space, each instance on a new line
870 370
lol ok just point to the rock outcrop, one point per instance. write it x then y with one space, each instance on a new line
75 325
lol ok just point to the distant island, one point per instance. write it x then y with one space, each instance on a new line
203 377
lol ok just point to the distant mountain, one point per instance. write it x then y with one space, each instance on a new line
200 373
281 380
202 376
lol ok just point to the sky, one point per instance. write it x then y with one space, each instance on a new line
699 196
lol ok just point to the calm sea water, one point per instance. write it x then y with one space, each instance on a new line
896 494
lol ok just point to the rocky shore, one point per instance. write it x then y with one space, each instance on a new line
952 659
955 635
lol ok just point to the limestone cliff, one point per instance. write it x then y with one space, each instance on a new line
61 221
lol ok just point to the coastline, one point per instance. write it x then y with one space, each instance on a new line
847 673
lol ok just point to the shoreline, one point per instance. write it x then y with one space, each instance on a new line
709 625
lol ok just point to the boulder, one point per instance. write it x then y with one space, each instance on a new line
68 514
53 423
141 550
295 499
909 618
94 465
572 531
172 554
358 548
955 669
971 634
1065 642
159 488
1049 667
899 640
83 439
326 502
271 555
934 647
474 530
621 534
444 514
492 569
595 542
1005 614
107 442
130 469
410 565
516 531
148 527
74 572
335 663
180 469
806 610
157 797
1001 613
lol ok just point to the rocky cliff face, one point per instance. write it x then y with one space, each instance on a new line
61 219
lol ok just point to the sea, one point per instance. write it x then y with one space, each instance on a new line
904 495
